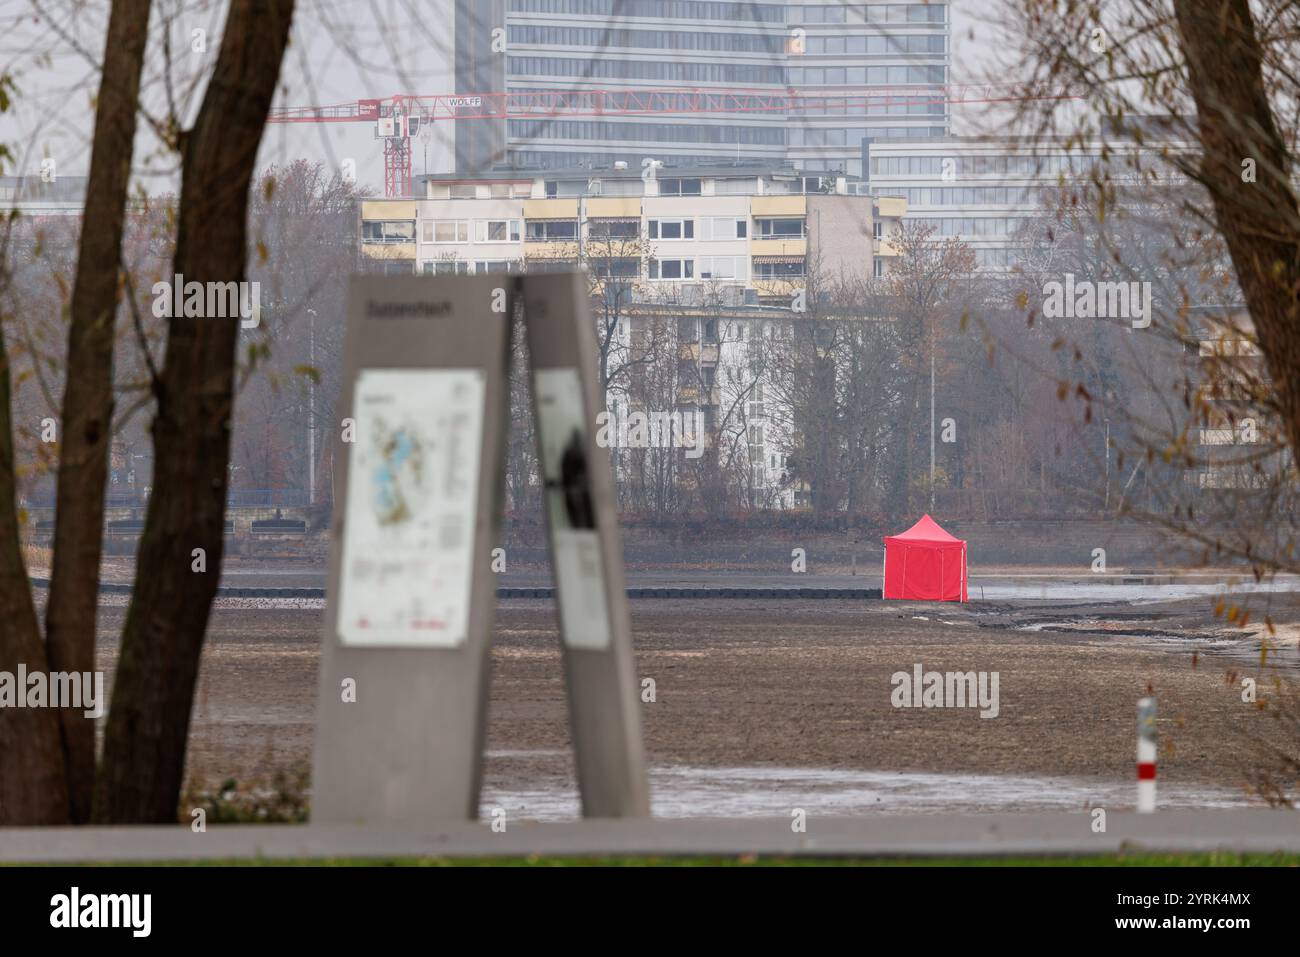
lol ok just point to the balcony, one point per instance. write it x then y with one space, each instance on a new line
385 251
792 246
699 396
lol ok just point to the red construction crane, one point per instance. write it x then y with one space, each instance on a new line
399 117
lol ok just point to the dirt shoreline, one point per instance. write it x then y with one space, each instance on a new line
800 684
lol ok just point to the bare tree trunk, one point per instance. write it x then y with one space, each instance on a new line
33 787
88 394
162 641
1259 221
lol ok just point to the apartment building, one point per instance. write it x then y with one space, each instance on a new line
752 230
882 68
721 256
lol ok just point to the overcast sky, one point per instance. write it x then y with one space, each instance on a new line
343 50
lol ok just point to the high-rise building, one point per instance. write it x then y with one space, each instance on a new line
988 190
865 71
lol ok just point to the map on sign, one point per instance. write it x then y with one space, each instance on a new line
408 530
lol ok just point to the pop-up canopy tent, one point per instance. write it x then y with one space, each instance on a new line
925 563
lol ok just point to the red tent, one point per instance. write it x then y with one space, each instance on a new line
925 563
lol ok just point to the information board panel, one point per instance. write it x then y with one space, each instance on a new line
418 484
412 500
575 543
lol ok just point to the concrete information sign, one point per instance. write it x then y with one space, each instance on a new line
586 553
417 504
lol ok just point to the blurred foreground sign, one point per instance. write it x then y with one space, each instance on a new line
412 493
417 512
586 552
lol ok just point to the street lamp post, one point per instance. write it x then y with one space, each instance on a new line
932 344
311 408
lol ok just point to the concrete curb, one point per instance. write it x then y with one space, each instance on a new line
1057 833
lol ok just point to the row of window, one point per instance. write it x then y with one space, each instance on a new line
974 226
765 43
479 191
600 38
666 70
718 134
1000 258
965 195
564 158
1012 165
932 105
895 44
691 71
730 268
668 186
864 75
712 228
868 13
458 230
750 12
388 231
785 228
646 132
666 9
850 136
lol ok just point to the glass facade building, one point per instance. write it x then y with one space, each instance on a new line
875 71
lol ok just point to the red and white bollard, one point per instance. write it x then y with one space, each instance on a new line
1146 755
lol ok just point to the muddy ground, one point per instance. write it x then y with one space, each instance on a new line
806 684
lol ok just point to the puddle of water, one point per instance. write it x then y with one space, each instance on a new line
683 791
1127 593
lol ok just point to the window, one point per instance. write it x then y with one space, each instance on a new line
722 267
616 268
614 228
552 230
778 270
388 231
496 231
446 230
877 267
779 228
877 229
447 267
672 269
679 187
723 227
491 265
672 229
